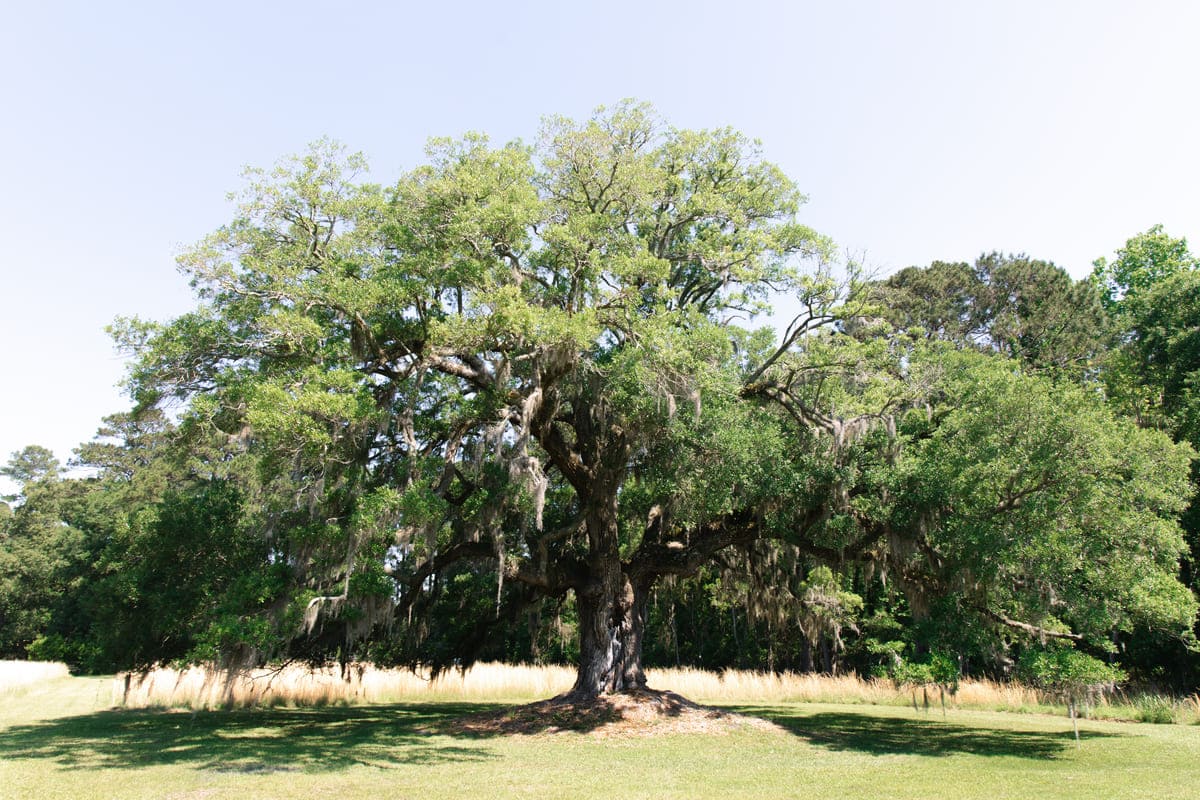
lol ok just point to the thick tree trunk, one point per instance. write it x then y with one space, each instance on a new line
610 642
612 618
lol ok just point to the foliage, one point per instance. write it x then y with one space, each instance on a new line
1017 454
38 556
939 671
475 363
512 406
1151 289
1148 289
1027 309
31 463
1068 672
117 570
1156 709
1146 260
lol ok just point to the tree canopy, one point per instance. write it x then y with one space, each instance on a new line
525 376
1027 309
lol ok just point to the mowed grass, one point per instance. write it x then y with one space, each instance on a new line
61 738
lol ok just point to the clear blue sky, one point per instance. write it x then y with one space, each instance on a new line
920 131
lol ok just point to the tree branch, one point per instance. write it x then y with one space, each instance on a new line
1038 631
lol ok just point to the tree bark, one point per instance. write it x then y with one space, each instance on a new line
610 642
612 617
806 656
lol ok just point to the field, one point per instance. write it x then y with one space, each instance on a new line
61 737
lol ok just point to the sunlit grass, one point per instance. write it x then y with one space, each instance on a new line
15 673
62 739
18 676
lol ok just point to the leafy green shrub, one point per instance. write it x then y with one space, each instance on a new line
1155 709
79 656
940 671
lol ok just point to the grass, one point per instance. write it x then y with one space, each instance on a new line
302 687
17 675
62 738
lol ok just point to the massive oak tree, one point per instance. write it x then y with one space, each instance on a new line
537 359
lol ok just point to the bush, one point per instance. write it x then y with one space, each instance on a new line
1155 709
79 656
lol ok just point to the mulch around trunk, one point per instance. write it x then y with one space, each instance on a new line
642 712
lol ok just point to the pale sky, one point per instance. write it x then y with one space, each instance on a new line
919 130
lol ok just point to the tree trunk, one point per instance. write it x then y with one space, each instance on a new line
612 617
806 655
674 635
611 625
1074 720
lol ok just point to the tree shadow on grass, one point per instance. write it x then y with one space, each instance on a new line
925 737
252 741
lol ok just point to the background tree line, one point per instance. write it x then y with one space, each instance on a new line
504 409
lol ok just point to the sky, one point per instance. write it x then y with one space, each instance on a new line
920 131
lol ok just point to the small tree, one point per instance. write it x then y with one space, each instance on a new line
1069 674
913 675
826 609
940 671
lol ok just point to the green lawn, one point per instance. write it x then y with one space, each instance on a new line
60 739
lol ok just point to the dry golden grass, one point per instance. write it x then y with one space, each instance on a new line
744 686
296 685
764 687
198 687
25 673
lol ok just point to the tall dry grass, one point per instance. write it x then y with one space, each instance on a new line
25 673
736 686
303 686
295 685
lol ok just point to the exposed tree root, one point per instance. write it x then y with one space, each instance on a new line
641 712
